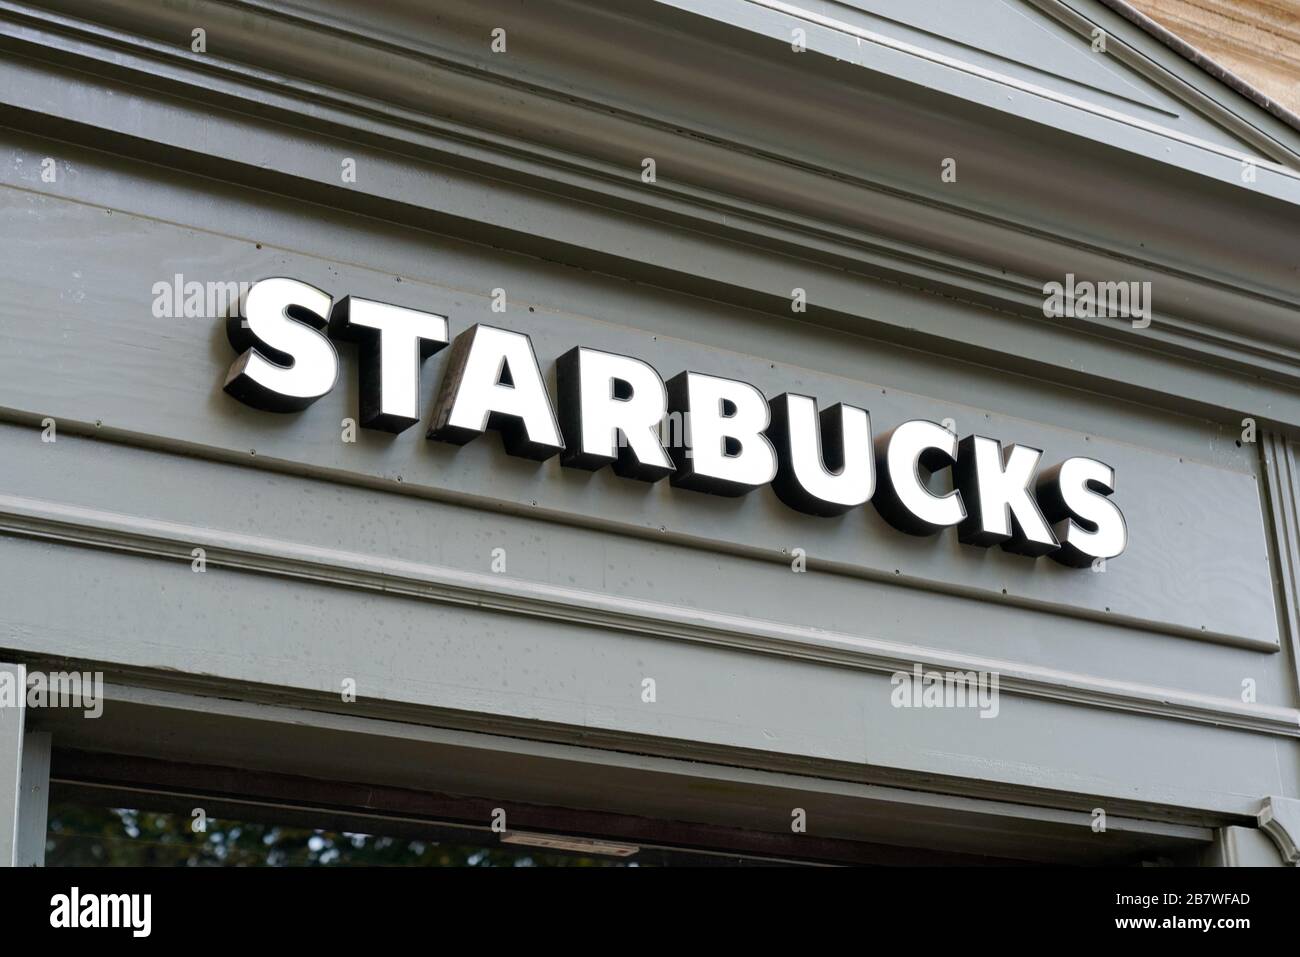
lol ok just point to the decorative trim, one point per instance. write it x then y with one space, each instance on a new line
801 230
906 791
12 735
33 800
1279 818
799 13
1209 65
1281 474
161 539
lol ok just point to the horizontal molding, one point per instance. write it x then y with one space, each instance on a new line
411 479
504 747
792 231
170 540
152 689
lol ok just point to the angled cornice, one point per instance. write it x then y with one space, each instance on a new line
927 66
1259 41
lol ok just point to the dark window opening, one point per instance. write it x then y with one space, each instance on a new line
96 826
90 835
109 809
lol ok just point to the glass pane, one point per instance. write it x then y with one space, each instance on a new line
86 834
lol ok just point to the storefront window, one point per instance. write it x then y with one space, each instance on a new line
89 835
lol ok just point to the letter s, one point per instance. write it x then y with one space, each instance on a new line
285 364
1074 498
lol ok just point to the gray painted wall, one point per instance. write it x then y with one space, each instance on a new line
372 560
